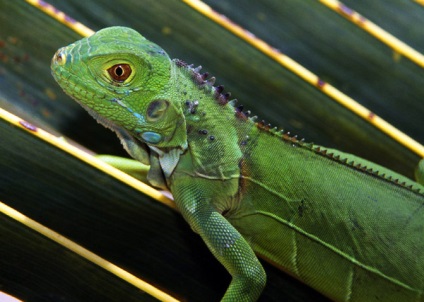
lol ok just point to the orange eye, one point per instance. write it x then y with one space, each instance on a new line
120 72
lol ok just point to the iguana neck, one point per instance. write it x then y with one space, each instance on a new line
211 127
211 118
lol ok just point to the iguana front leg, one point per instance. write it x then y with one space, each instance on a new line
130 166
196 205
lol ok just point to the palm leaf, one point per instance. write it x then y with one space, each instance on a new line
132 230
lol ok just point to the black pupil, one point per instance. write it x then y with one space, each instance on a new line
119 71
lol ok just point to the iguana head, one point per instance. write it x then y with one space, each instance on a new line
120 78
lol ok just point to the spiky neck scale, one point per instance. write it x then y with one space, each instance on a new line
209 99
216 97
221 98
209 121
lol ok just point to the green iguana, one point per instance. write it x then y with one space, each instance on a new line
347 227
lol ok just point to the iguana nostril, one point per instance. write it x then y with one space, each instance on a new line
59 57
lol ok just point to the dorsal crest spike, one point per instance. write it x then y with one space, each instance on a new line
222 100
205 75
219 88
180 63
239 112
233 102
309 145
360 167
211 81
201 79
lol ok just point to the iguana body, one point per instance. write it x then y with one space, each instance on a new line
347 227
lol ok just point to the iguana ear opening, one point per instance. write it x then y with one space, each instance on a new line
156 110
164 126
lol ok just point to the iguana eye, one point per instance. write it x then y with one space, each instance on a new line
120 72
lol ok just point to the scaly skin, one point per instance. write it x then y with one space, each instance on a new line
347 227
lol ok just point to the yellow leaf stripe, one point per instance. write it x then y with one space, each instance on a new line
420 2
90 256
376 31
61 17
